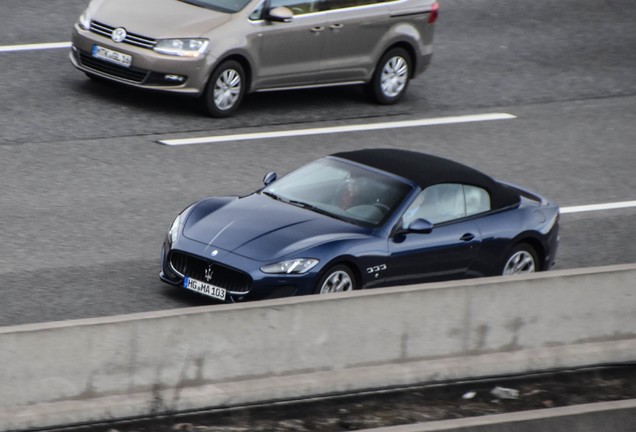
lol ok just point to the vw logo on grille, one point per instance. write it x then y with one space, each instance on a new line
118 35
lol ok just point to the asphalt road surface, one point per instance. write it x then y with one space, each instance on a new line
88 193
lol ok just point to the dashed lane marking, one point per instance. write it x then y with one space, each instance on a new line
598 207
340 129
34 47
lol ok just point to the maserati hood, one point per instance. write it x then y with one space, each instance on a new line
158 19
263 229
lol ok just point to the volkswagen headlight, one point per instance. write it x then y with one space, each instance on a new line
182 47
295 266
84 21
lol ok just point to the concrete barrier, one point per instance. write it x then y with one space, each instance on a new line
226 355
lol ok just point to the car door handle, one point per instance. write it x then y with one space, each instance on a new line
336 26
467 237
317 29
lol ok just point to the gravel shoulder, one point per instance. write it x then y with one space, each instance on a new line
392 407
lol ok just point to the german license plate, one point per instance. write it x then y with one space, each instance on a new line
118 58
204 288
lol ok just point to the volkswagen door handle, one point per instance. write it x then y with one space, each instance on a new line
467 237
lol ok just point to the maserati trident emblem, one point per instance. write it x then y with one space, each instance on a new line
208 273
118 35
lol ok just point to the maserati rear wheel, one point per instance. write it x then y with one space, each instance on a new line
521 259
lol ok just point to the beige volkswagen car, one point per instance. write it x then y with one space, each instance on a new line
219 50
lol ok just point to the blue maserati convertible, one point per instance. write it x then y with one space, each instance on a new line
356 220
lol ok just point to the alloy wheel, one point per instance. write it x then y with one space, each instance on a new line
519 263
338 281
394 76
227 89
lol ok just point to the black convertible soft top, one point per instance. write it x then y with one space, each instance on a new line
427 170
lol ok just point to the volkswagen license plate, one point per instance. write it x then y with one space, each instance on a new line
118 58
204 288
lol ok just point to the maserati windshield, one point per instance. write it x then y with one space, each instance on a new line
341 190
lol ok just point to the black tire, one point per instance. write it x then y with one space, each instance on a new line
391 77
338 278
521 259
225 89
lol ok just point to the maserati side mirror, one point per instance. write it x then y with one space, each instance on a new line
269 178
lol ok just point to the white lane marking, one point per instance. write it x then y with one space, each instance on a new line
32 47
340 129
598 207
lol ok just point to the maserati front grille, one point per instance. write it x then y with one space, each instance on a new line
210 272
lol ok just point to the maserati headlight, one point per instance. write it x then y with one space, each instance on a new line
182 47
295 266
84 21
173 233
